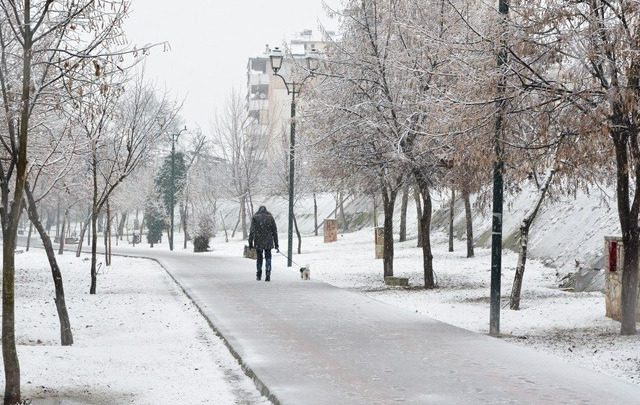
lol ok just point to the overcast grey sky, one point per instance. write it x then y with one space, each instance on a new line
211 41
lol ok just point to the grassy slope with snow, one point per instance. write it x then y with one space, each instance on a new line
567 229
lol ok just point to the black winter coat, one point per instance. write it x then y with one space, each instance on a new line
263 233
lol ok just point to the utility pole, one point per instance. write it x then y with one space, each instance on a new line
173 187
292 167
498 183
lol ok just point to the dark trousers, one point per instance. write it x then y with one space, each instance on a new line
267 258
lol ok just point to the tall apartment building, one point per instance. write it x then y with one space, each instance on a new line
258 81
268 103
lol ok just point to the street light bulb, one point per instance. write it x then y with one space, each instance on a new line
276 57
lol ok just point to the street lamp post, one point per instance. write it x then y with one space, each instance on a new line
293 89
498 186
174 139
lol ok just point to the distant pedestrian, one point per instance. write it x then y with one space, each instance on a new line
264 237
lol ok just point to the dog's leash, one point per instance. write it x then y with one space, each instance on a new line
289 259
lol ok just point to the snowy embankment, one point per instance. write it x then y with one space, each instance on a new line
567 229
138 341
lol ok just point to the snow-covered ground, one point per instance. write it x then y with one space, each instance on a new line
571 325
138 341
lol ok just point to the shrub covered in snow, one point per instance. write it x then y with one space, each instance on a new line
203 232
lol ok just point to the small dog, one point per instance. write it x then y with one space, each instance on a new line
305 272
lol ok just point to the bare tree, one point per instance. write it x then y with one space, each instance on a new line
430 125
54 156
358 112
242 144
197 157
403 213
121 125
38 40
598 70
452 204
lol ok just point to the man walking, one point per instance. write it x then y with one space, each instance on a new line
264 236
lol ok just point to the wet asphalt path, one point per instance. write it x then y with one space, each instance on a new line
306 342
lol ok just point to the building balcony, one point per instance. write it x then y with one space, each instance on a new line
257 78
257 105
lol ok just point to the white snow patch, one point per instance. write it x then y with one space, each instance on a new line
138 340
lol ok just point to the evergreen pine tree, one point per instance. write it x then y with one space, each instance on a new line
163 180
155 219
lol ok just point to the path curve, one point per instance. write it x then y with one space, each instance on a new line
306 342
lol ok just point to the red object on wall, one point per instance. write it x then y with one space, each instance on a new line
613 256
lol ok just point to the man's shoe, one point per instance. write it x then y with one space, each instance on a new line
268 278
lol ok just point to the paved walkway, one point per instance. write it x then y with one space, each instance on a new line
310 343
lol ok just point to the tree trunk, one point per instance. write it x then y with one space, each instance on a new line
628 216
233 233
469 222
126 228
9 352
121 225
295 224
630 283
83 229
524 243
62 232
345 223
49 222
452 204
10 216
516 290
94 252
185 219
427 255
109 241
94 222
58 219
226 234
117 221
416 197
170 235
250 203
89 229
315 215
107 237
375 212
403 214
29 236
66 336
141 228
109 244
388 202
243 216
425 224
